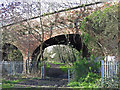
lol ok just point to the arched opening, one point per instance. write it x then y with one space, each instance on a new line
72 40
58 59
60 53
12 60
11 53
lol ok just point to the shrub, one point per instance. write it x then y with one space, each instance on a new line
110 82
82 67
86 73
86 82
47 66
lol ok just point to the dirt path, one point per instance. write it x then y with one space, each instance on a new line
54 79
45 82
56 72
54 65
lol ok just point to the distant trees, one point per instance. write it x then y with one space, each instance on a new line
11 53
61 53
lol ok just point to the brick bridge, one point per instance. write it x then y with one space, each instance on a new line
55 29
58 29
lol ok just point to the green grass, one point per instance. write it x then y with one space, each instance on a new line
47 66
36 78
13 86
57 63
7 85
81 85
39 65
64 68
90 81
11 82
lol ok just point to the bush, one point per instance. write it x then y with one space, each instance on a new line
86 82
39 65
57 63
111 82
86 73
74 84
47 66
83 67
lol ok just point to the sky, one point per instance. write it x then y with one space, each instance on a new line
59 1
61 4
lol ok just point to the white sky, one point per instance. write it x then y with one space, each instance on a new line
59 1
54 7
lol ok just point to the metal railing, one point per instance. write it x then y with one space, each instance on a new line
12 67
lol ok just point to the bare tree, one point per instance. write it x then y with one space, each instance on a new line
34 20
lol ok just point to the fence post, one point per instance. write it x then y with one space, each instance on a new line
116 64
68 75
105 67
9 67
102 70
15 63
13 68
41 71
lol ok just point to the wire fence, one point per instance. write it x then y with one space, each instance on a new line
12 67
109 67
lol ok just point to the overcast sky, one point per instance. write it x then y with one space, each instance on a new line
59 1
53 5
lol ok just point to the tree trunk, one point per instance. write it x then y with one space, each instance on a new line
119 43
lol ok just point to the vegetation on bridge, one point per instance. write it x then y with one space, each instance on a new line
101 28
98 32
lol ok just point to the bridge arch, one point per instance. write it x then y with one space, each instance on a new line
8 48
73 40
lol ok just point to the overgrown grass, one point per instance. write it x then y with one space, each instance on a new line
7 85
11 82
86 82
36 78
14 86
57 63
47 66
63 66
82 85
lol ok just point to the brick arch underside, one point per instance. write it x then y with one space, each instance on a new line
7 45
73 40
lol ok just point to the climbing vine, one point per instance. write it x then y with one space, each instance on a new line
100 30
